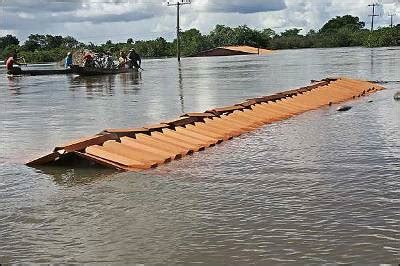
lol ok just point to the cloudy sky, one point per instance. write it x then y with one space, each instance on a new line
118 20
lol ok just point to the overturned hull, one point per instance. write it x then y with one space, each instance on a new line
233 50
137 149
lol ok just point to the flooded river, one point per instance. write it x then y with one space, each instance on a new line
322 187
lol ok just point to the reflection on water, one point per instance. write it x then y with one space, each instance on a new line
320 188
180 82
13 87
65 176
104 85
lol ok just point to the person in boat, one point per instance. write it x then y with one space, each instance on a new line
11 69
68 60
122 60
109 60
134 60
88 60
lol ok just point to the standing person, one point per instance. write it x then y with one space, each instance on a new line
109 60
11 69
68 60
134 59
122 60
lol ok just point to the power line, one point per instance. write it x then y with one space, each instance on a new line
178 4
373 15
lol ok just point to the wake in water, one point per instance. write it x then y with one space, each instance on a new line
384 81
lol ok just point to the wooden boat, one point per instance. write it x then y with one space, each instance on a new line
91 71
40 72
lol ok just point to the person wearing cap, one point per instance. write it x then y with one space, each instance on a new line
68 62
134 59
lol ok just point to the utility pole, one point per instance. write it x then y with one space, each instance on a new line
178 5
391 20
373 15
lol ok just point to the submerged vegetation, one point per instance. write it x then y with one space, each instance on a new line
343 31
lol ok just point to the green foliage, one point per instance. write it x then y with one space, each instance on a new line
8 51
383 37
241 35
153 48
39 56
335 24
7 41
338 32
291 33
192 41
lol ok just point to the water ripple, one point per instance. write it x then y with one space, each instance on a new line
320 188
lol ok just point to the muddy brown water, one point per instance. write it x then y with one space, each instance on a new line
320 188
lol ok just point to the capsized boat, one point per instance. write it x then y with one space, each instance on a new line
136 149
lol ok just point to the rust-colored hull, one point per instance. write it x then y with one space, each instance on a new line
136 149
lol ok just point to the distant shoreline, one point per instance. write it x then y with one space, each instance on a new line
2 62
345 31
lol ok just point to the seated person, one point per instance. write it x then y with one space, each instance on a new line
122 60
11 69
109 61
88 60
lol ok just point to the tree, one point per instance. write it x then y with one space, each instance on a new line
52 42
337 23
386 36
8 40
8 51
192 42
34 42
243 35
70 42
129 41
291 32
222 36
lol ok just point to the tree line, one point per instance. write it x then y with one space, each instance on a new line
341 31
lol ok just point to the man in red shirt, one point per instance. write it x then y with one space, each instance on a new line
88 60
11 69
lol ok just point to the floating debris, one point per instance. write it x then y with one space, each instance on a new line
397 96
344 108
136 149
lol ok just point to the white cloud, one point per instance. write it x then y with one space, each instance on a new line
239 6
